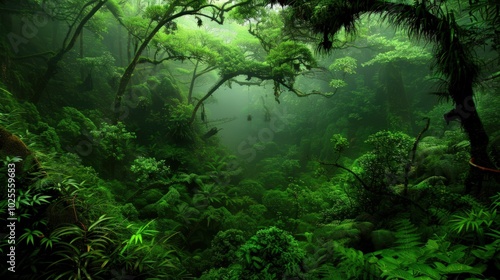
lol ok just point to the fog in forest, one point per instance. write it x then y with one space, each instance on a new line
249 139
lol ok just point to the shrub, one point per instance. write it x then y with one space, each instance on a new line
225 245
113 140
149 169
271 252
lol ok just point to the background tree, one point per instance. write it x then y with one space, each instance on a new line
160 16
78 15
278 59
424 19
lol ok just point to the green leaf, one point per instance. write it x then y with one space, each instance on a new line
255 258
425 269
440 266
456 268
456 255
29 235
398 274
432 245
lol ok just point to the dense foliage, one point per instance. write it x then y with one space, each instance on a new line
249 139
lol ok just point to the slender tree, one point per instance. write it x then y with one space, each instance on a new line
162 16
75 28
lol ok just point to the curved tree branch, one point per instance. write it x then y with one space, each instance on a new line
216 86
143 59
84 20
299 93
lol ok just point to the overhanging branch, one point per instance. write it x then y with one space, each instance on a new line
156 62
300 93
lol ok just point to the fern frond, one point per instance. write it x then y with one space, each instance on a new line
407 235
354 265
440 216
425 269
398 274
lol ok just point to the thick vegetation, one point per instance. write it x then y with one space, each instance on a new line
117 154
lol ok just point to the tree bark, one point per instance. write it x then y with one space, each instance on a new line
479 140
127 75
120 45
82 70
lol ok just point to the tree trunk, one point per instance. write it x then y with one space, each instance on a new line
120 47
53 61
82 70
129 46
43 81
55 35
479 152
191 84
125 79
465 110
118 110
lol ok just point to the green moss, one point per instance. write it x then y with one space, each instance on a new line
169 88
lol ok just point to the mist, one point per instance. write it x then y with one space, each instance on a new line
249 139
